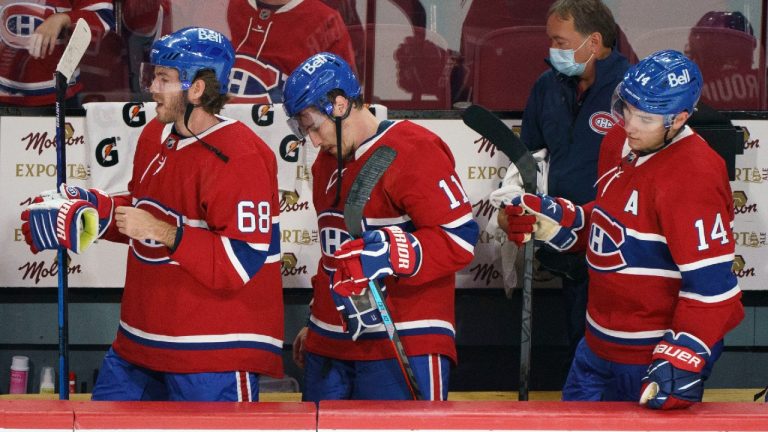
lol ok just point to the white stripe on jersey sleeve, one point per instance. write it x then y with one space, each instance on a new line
646 236
458 240
707 262
464 245
712 299
458 222
236 264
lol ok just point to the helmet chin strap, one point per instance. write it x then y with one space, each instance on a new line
187 114
339 157
667 141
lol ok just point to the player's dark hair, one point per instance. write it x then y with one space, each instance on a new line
589 16
357 102
211 100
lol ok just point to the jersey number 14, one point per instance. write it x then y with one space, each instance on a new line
718 232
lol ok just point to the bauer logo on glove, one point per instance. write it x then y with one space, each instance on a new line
54 223
674 377
376 254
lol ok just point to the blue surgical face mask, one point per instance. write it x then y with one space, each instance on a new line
564 60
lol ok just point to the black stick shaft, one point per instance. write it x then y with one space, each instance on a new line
63 283
493 129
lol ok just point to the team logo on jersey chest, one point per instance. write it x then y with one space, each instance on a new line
150 251
333 233
601 122
606 236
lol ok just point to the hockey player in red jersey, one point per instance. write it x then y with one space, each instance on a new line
659 246
32 40
271 38
418 205
202 312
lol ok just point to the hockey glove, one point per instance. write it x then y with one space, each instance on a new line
376 254
51 223
519 225
674 377
558 220
100 200
358 313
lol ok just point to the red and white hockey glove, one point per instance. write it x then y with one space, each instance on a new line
520 225
99 199
376 254
674 378
56 222
558 221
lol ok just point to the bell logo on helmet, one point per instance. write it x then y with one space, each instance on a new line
206 34
318 61
676 80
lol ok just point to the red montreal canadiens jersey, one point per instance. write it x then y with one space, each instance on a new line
421 193
215 303
660 248
271 44
25 80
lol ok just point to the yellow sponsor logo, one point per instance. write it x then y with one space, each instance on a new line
73 171
486 172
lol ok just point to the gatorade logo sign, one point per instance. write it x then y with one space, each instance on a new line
106 152
134 115
289 148
601 122
262 115
676 80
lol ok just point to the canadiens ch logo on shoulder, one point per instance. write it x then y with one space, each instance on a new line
601 122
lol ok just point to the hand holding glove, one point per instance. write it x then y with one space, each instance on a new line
519 225
674 377
558 220
376 254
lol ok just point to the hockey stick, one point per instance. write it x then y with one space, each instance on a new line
358 196
492 128
78 43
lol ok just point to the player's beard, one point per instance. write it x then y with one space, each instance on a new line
171 107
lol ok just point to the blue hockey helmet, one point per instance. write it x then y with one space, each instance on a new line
666 83
193 49
309 85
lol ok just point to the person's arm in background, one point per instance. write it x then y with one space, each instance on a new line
98 14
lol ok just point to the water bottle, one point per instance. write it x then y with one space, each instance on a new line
19 374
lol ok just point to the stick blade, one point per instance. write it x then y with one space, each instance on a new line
490 127
73 53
